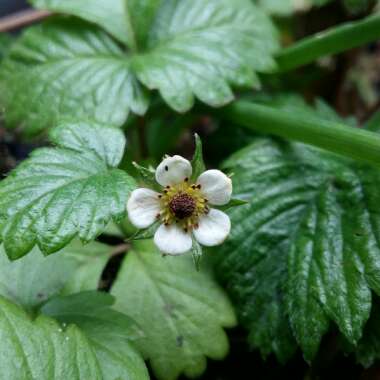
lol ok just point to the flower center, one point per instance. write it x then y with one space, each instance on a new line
182 205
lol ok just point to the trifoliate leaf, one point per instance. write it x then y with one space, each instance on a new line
33 279
67 68
317 213
58 193
197 162
109 332
42 349
182 312
184 49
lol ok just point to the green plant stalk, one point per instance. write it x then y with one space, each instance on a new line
338 138
331 41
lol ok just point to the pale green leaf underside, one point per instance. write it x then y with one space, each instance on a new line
41 349
109 332
111 15
180 310
306 246
185 49
58 193
34 279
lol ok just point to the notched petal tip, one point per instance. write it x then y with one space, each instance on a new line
173 170
172 240
216 187
142 207
213 228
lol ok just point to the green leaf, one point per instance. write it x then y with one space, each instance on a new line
368 349
5 43
317 212
189 311
194 49
58 193
34 278
197 162
89 260
185 49
109 331
41 349
111 15
66 67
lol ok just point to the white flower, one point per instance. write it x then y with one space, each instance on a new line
184 208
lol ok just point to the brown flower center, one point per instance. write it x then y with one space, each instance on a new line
182 205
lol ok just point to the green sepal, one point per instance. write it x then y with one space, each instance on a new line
197 162
234 202
196 253
146 233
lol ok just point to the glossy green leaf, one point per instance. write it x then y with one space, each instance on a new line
109 332
67 68
185 49
181 311
58 193
305 247
42 349
200 47
368 349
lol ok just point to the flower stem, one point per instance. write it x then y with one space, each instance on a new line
331 41
338 138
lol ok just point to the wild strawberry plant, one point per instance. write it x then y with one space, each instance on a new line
120 253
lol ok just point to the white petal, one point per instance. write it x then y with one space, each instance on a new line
216 187
213 228
143 206
173 170
172 240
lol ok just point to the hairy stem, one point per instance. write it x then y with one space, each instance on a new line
331 41
335 137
